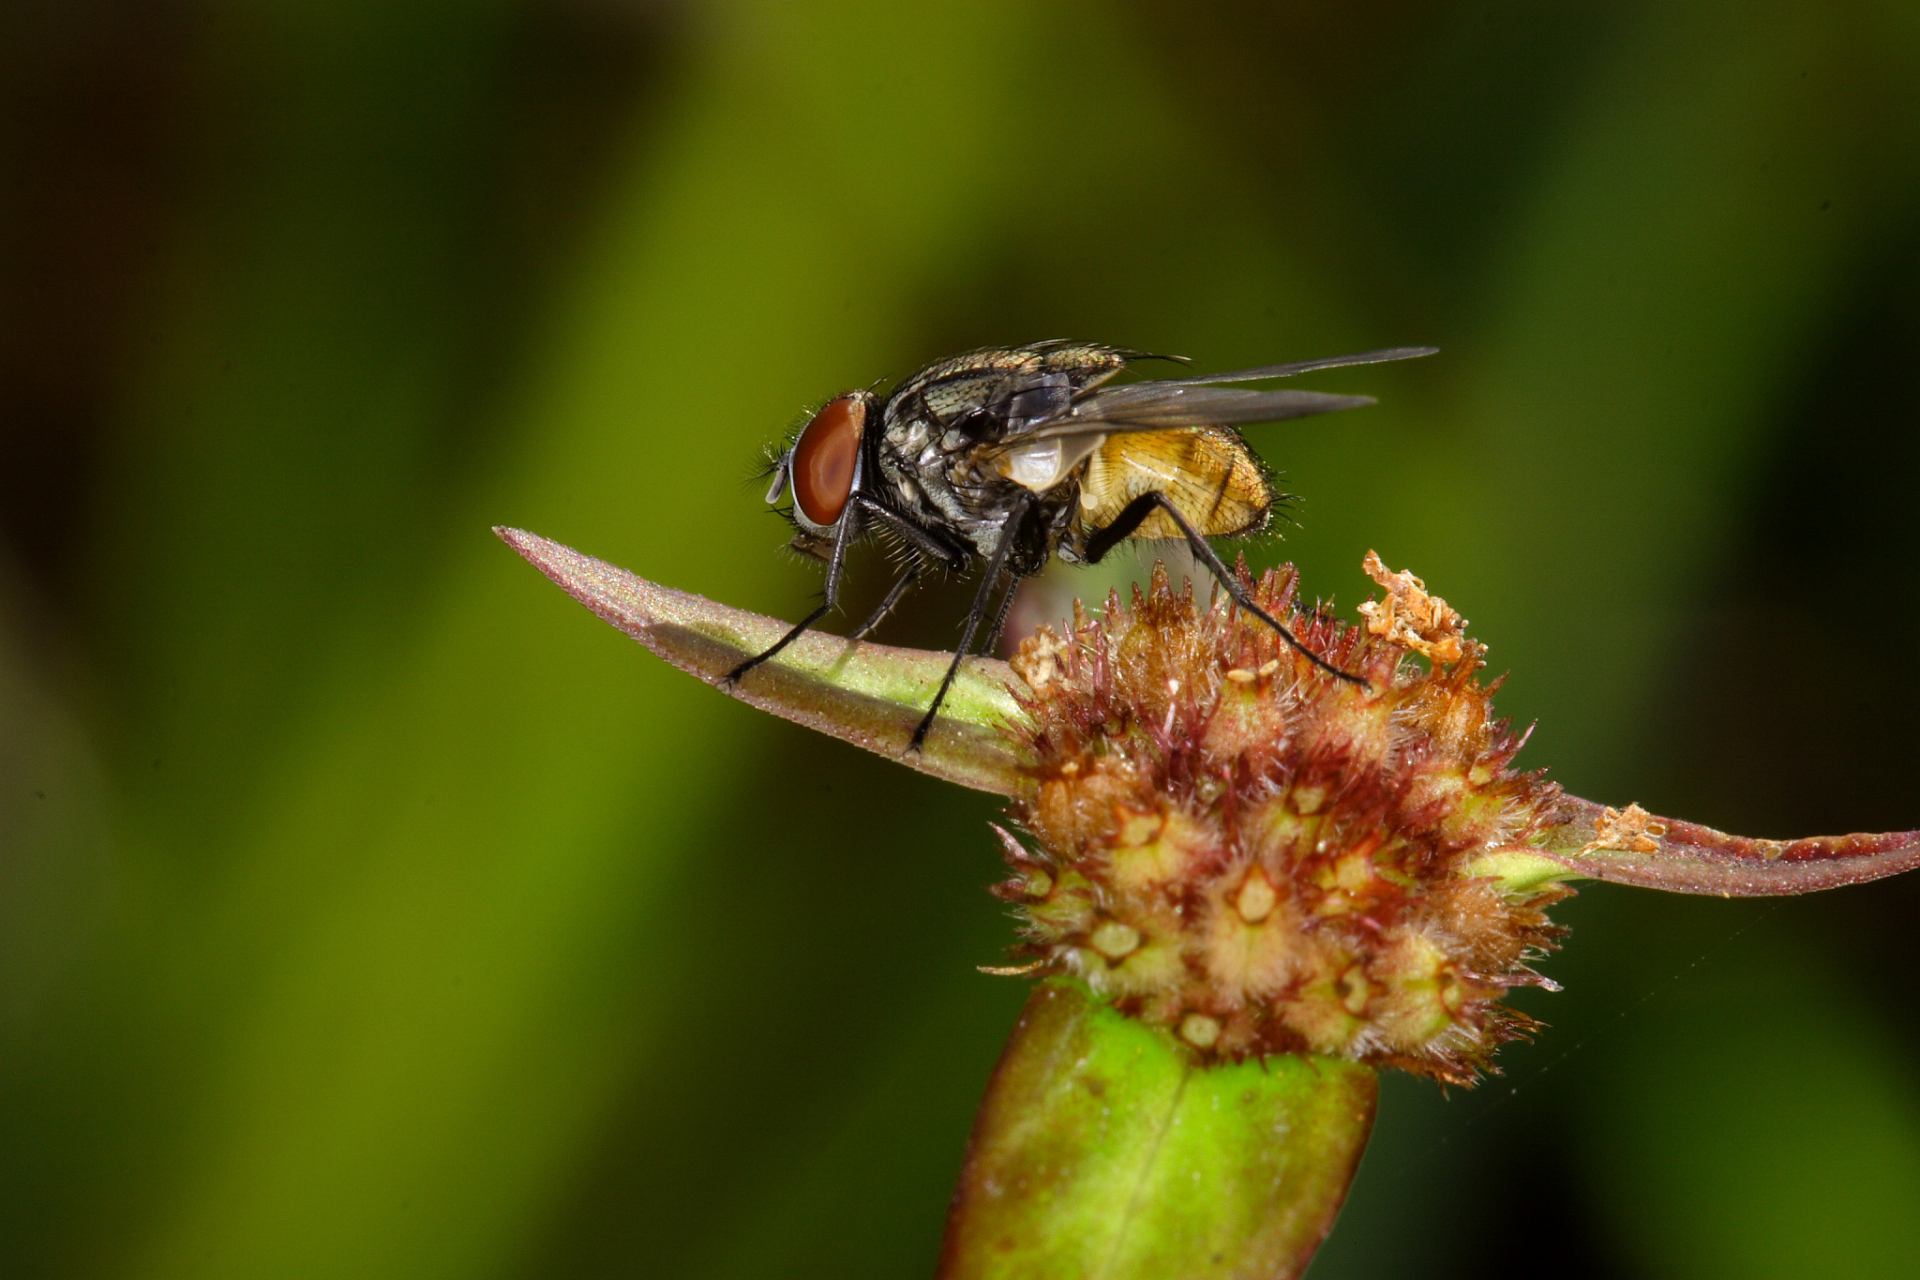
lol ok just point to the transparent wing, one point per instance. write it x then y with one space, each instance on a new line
1300 366
1060 426
1199 401
1160 406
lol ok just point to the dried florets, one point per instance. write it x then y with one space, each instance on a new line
1232 844
1410 617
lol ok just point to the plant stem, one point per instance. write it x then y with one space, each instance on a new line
1107 1149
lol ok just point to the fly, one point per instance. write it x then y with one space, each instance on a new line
1013 455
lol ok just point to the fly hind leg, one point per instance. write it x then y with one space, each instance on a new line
1136 512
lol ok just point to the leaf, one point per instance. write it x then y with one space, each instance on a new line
871 695
1684 857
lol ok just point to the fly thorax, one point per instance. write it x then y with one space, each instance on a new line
915 480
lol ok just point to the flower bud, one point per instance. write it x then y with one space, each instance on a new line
1234 845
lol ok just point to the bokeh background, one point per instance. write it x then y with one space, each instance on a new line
369 910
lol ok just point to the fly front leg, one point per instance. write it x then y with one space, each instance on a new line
1136 512
930 544
836 562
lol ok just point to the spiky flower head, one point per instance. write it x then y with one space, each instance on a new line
1230 843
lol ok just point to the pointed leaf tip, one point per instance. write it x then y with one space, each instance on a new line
1632 846
868 694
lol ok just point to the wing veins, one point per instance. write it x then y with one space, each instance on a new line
1154 406
1264 372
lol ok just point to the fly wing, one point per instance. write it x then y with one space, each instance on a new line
1161 406
1200 401
1300 366
1049 426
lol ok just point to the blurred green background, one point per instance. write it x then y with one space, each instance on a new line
367 909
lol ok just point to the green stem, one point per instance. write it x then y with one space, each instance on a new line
1108 1150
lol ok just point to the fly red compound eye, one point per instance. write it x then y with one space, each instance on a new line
824 458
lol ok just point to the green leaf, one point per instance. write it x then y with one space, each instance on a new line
871 695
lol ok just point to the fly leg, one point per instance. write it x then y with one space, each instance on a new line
1000 618
836 562
930 546
733 677
928 543
900 588
1130 518
995 567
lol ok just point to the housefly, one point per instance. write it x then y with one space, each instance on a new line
1013 455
